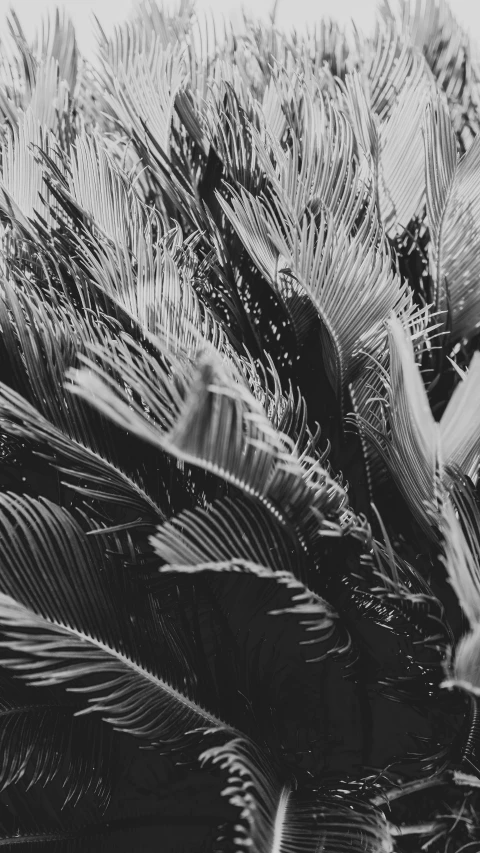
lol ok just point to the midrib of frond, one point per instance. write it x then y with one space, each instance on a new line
280 822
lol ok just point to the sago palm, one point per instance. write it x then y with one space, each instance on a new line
240 437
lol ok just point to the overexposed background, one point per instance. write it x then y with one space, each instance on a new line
298 13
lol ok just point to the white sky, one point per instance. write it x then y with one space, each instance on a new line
289 12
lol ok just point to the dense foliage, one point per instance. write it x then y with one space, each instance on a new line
240 437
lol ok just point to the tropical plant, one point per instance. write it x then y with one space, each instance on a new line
240 436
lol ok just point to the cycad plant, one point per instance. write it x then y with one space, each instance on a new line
240 437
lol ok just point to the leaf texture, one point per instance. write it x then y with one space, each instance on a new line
67 631
277 818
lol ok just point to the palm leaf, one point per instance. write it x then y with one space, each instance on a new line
402 184
86 470
143 94
313 613
22 172
38 342
69 628
461 553
274 815
129 697
389 60
461 547
239 537
459 433
454 217
99 187
394 149
433 30
416 448
347 279
210 419
237 529
40 740
415 454
58 40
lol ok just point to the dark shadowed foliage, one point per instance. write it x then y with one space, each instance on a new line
240 437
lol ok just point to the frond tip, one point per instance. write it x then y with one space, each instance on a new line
314 614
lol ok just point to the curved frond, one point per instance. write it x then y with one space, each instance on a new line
462 559
41 740
347 279
98 186
208 417
58 40
141 95
312 612
86 470
454 219
69 630
416 448
394 148
277 817
127 695
228 529
432 29
22 173
411 448
389 60
402 177
460 423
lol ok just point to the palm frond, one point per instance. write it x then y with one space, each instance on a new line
97 185
67 629
58 40
41 740
388 60
211 419
129 697
462 558
419 450
402 179
459 424
229 528
432 29
87 472
22 171
275 815
462 561
144 91
454 217
394 148
313 613
413 451
320 259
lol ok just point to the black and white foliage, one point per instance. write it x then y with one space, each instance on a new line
240 436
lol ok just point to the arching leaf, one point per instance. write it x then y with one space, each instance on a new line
209 418
41 739
64 627
454 220
274 815
313 613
